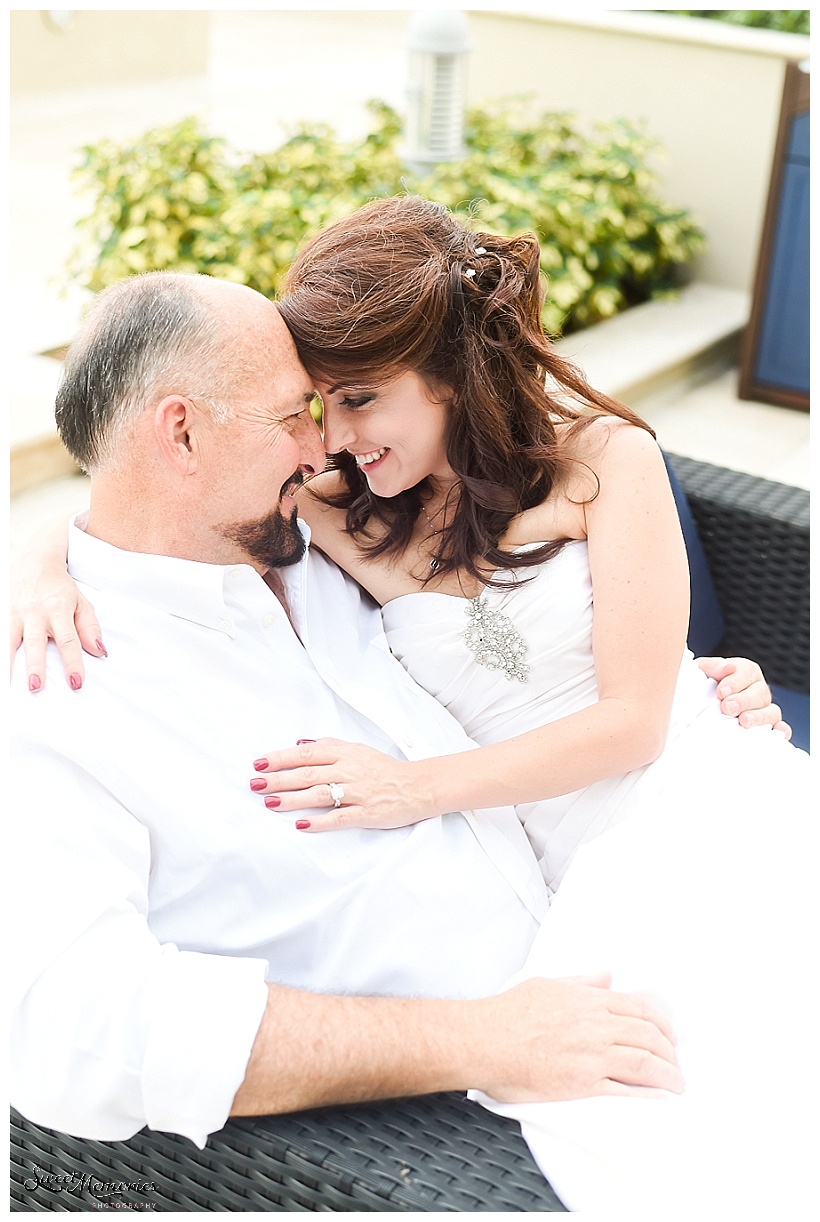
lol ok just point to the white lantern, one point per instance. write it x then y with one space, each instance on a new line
438 43
59 20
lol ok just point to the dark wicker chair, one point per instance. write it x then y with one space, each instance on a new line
439 1153
754 535
434 1154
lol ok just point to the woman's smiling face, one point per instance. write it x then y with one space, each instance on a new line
394 429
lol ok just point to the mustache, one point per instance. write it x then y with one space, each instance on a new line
291 484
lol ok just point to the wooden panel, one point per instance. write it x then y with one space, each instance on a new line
775 357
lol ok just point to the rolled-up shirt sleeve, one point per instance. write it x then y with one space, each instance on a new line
111 1030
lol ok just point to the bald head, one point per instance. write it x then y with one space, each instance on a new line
158 334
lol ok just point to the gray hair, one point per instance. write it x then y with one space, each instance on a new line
146 337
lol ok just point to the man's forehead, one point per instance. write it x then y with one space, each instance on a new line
278 388
281 346
293 396
275 373
289 379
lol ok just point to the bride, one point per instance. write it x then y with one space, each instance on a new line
524 545
519 531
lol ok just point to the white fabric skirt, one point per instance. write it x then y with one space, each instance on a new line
704 899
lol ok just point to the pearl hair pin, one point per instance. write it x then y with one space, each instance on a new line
479 250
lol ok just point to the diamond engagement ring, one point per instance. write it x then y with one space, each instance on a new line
337 793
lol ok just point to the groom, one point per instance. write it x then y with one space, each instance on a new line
186 956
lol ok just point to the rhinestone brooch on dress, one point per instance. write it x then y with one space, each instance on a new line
495 641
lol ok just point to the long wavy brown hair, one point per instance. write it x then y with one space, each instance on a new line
401 285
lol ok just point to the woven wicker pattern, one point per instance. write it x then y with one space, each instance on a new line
438 1153
756 537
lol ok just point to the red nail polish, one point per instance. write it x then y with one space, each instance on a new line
260 765
75 682
34 684
299 741
258 784
101 648
301 824
272 803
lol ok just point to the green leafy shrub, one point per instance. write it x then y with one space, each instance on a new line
787 20
179 199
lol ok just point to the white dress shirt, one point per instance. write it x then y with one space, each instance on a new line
158 893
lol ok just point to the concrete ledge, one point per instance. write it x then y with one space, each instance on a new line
38 462
667 27
662 344
36 453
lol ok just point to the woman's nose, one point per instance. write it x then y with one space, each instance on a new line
336 432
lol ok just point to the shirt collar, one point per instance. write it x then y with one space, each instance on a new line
189 589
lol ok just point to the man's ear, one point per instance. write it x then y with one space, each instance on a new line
175 421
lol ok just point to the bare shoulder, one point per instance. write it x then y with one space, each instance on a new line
624 463
380 576
606 455
604 451
607 440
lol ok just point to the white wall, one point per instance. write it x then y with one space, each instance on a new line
709 92
104 48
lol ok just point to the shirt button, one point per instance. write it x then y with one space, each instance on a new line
233 576
225 625
269 621
409 742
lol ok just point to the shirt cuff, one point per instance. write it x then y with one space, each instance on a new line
205 1013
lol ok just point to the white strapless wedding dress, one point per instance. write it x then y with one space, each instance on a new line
692 880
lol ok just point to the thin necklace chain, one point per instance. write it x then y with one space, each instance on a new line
436 561
434 529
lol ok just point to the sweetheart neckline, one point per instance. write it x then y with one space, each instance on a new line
462 598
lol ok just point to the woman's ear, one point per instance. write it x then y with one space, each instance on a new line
175 428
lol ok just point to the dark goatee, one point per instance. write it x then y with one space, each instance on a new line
273 541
